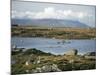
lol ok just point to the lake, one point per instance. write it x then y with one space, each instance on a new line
55 46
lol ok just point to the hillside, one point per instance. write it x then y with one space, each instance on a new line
49 23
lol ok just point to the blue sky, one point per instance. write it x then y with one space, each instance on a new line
36 10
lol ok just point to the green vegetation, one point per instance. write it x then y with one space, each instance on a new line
35 61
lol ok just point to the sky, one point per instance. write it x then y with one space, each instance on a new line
39 10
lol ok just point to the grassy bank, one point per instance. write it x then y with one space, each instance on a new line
58 33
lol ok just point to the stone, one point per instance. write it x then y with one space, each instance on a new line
90 54
38 70
72 52
47 68
55 68
27 71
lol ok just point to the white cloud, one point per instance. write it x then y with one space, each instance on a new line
82 15
16 14
50 12
27 14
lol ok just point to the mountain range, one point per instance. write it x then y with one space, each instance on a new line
49 22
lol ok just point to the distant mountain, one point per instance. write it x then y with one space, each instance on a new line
49 22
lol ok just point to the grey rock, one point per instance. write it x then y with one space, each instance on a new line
72 52
47 68
90 54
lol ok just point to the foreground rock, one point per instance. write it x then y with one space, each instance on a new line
47 68
36 61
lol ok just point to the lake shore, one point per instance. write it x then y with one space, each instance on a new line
56 33
44 42
55 46
36 61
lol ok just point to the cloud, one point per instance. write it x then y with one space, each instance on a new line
27 14
50 12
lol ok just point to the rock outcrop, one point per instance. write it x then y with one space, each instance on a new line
90 54
72 52
47 68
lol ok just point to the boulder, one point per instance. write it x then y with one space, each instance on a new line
50 68
72 52
47 68
90 54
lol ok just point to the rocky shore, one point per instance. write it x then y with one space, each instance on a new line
36 61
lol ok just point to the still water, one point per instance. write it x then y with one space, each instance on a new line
55 46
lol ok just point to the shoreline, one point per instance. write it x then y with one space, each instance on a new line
51 38
33 59
57 45
57 33
25 49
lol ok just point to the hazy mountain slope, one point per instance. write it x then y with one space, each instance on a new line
49 22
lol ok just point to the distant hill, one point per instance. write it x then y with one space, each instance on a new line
49 22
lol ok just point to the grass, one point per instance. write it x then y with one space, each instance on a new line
59 33
62 61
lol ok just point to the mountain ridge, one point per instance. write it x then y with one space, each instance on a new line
49 22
